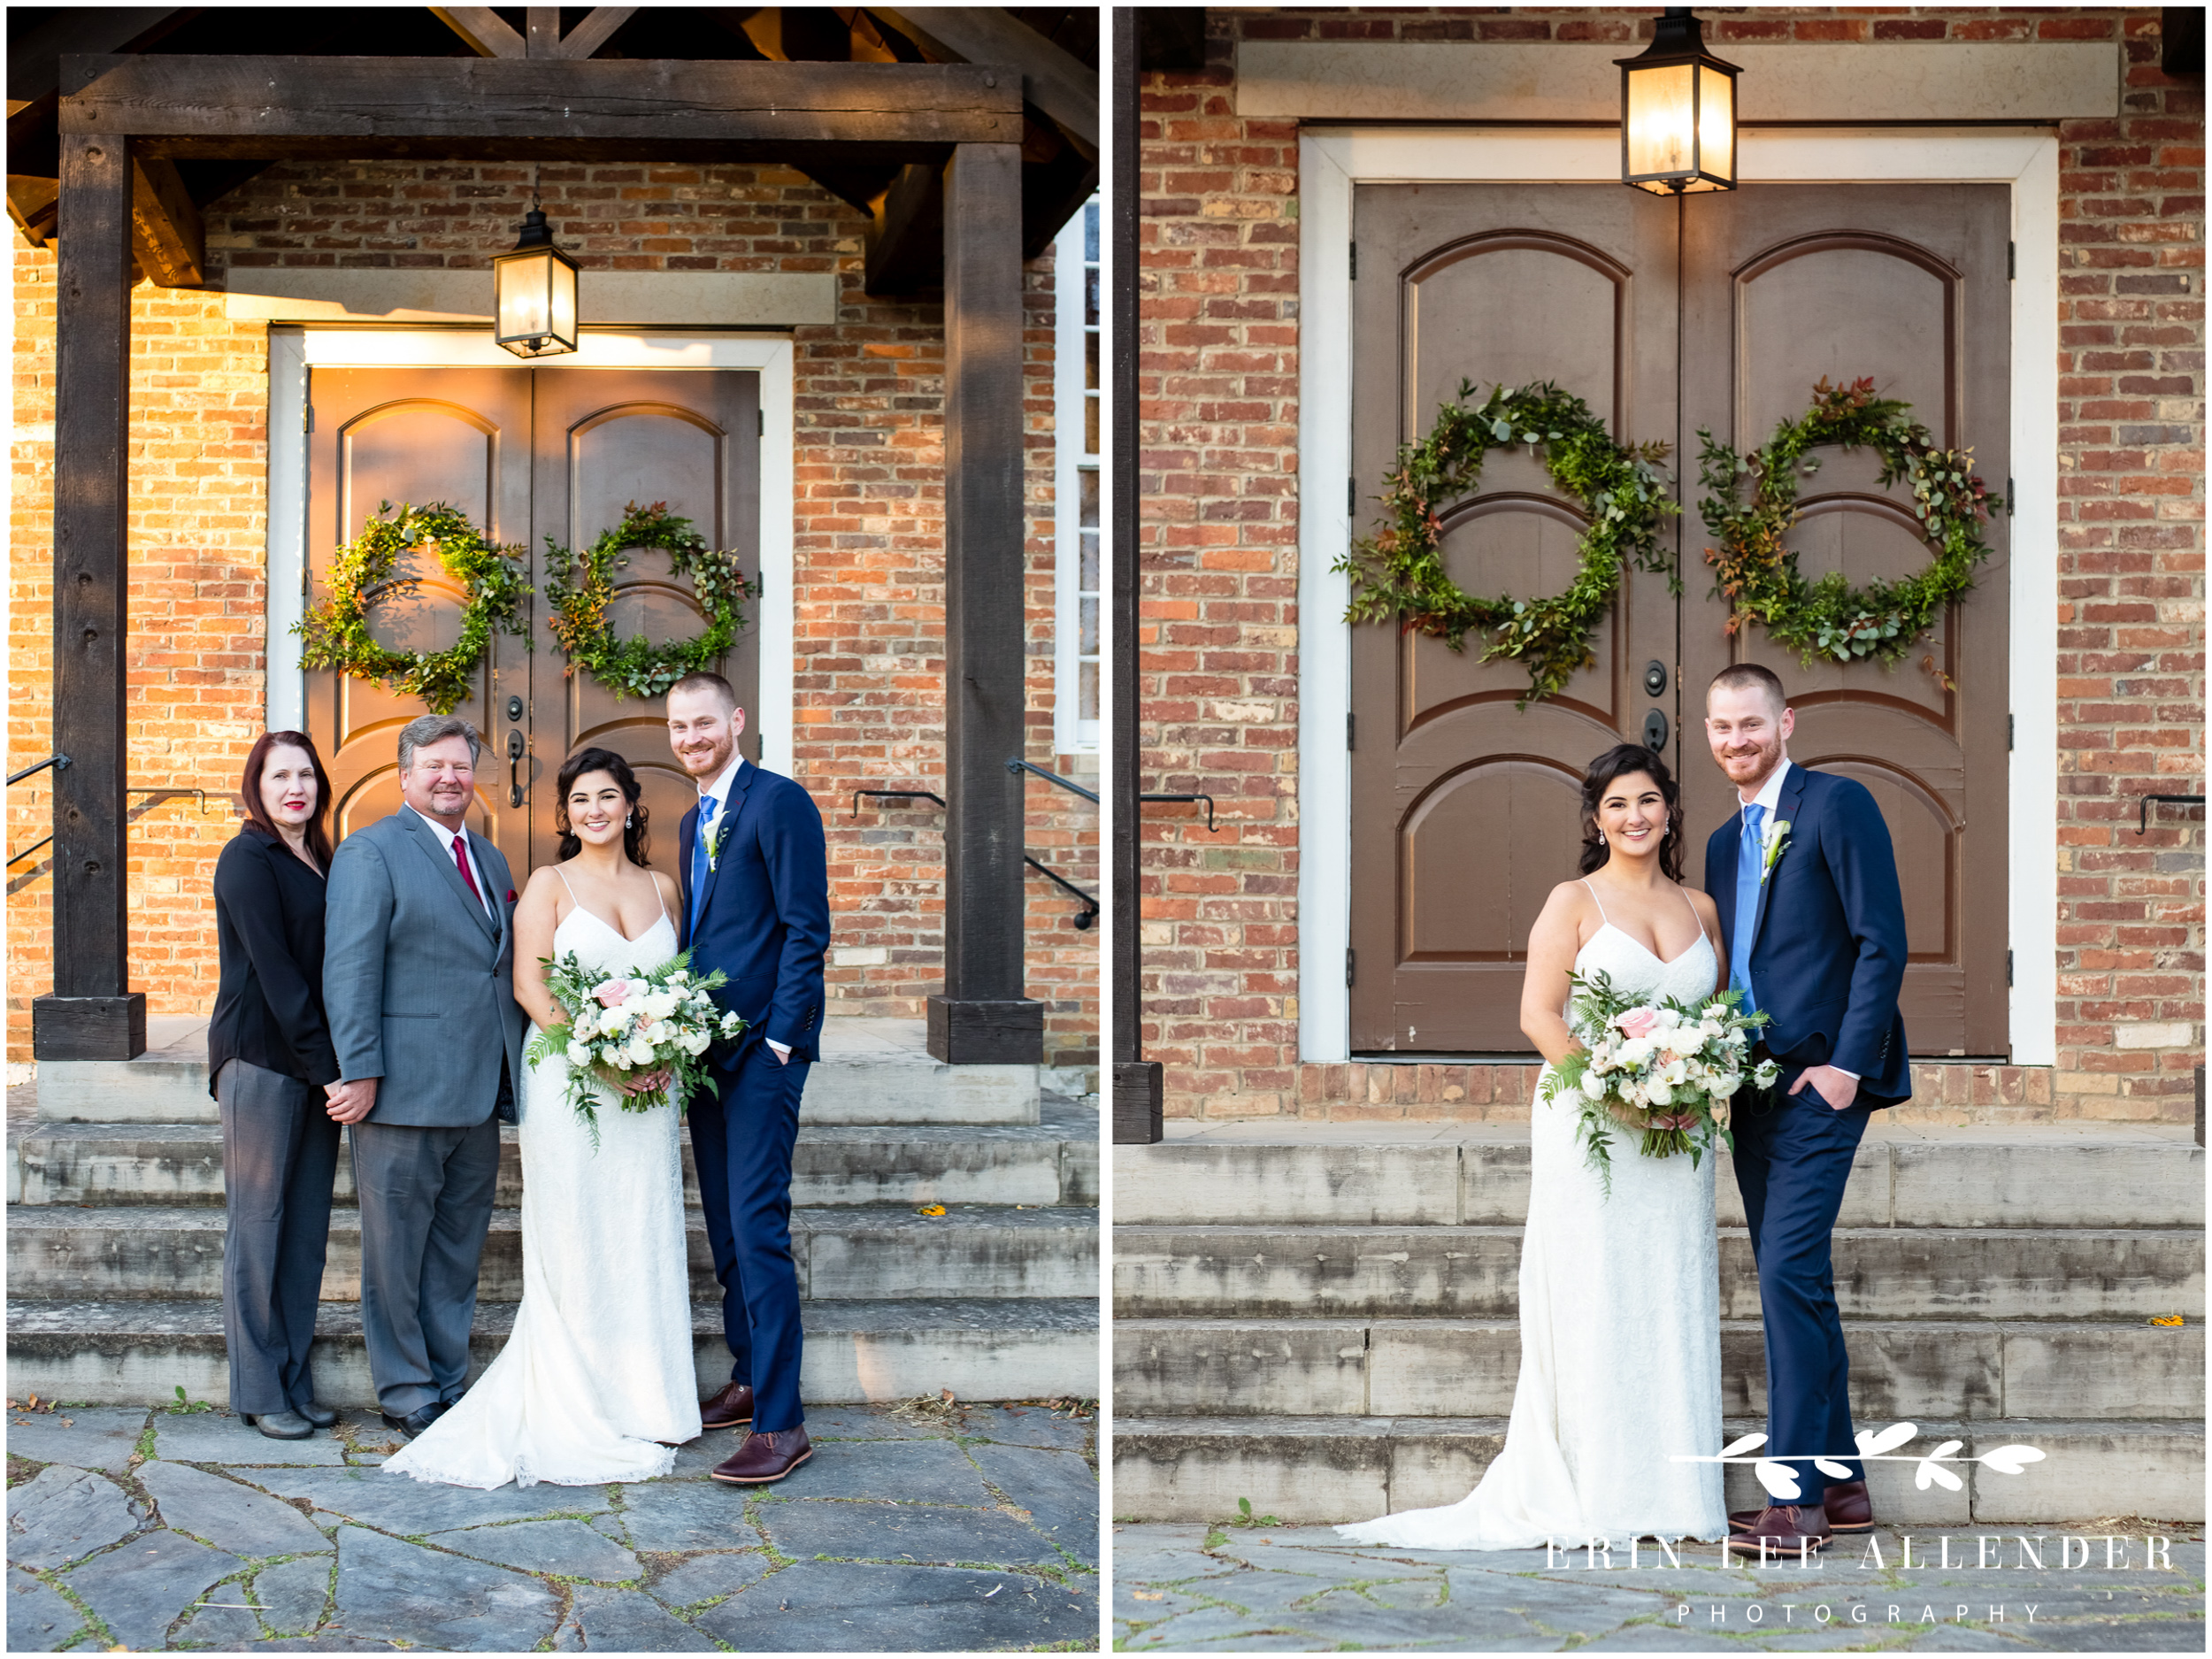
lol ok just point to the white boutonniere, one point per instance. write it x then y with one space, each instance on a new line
714 839
1777 840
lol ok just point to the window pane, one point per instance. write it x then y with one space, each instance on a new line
1090 297
1090 361
1090 425
1087 576
1087 638
1087 692
1090 232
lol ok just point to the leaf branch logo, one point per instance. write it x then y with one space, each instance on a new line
1781 1482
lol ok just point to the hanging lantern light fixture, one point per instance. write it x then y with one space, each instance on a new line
1677 112
534 293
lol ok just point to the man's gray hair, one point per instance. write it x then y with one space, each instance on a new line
433 729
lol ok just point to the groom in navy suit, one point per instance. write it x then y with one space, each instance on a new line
755 876
1805 879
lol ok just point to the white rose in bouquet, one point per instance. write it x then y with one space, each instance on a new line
695 1042
1593 1085
578 1054
641 1050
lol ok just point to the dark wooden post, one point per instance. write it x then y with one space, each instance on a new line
983 1018
93 1014
1137 1083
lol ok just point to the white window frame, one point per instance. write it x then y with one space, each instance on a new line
1070 733
1332 162
293 350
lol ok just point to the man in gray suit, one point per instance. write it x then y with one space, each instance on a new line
419 985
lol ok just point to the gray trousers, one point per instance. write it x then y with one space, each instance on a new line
425 1198
280 1156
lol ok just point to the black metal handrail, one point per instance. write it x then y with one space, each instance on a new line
1082 922
1018 765
59 763
1208 799
2143 811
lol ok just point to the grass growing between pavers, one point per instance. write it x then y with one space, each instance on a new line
416 1576
1191 1589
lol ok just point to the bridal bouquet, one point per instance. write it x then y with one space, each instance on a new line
625 1026
1666 1069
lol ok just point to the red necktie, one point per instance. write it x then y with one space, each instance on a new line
461 857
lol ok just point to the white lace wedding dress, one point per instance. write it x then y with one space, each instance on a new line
1620 1335
599 1368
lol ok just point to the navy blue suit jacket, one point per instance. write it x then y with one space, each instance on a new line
766 919
1828 941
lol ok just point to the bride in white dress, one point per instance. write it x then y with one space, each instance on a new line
1619 1296
596 1383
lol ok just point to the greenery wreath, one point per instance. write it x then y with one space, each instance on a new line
1400 571
636 666
1829 618
336 631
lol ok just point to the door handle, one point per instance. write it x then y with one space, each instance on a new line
517 748
1654 732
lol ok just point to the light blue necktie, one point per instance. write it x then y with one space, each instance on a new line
699 868
1748 861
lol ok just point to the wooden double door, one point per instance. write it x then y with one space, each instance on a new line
1665 316
528 454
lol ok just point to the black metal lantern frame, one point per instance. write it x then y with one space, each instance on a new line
533 294
1677 112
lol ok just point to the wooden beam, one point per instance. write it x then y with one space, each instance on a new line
486 32
461 108
165 231
91 1014
596 30
906 238
1136 1080
1053 79
982 1017
542 25
32 205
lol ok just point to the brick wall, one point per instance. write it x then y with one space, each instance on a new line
1219 424
868 599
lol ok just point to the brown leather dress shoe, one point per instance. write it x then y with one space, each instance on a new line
1785 1529
1845 1503
733 1406
765 1457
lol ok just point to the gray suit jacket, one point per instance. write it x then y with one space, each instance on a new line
418 980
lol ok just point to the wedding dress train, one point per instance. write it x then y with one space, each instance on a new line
599 1367
1620 1334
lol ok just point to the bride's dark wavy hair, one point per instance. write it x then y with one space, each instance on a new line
587 760
1607 770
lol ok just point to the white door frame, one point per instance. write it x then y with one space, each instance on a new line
1331 162
294 350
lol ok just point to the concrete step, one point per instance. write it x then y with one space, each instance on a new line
2102 1175
1308 1470
1414 1367
1292 1272
128 1353
167 1252
1053 1160
872 1070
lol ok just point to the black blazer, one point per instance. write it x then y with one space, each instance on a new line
269 934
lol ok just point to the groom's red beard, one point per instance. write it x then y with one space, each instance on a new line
1753 765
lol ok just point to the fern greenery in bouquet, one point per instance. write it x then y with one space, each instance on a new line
1664 1069
625 1027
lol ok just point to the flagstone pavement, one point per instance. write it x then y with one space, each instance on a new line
1302 1589
970 1528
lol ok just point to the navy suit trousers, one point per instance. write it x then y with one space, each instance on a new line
742 1142
1791 1162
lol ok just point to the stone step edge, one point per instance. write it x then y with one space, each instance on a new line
1064 1124
1043 1349
201 1318
811 1217
1140 1230
1125 1428
1141 1323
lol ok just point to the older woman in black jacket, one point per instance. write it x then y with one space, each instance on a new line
269 1058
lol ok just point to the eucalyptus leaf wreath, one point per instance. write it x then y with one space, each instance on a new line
336 631
1399 573
579 594
1829 618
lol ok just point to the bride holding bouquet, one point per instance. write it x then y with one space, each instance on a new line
596 1383
1619 1279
